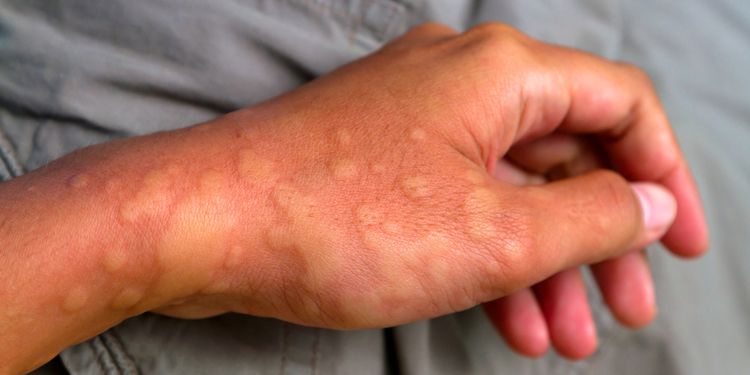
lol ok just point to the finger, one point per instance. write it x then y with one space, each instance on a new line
625 282
558 155
584 219
688 236
658 208
518 318
566 310
627 288
507 172
561 156
619 103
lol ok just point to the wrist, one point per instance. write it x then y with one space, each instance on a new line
84 240
71 270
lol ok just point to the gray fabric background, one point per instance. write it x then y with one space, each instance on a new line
76 72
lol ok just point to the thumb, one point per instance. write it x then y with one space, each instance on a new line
595 216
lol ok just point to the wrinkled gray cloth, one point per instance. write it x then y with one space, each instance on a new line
76 72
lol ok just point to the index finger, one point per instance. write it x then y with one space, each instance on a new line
619 103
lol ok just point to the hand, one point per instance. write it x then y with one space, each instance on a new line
380 177
363 199
557 309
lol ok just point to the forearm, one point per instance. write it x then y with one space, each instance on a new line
67 263
106 233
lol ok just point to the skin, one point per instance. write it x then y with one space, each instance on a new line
370 197
556 310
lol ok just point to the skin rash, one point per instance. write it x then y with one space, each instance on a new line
372 207
302 226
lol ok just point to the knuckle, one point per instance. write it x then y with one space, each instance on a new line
495 30
636 73
615 195
614 190
430 28
498 39
420 36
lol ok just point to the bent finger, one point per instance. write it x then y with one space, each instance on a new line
558 155
618 103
